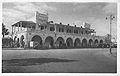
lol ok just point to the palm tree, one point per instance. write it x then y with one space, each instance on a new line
4 30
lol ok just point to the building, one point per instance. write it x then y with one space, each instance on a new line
44 33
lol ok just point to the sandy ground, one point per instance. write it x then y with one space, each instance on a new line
59 61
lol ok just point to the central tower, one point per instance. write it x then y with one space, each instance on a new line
41 19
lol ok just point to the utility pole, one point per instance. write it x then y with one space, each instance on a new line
111 17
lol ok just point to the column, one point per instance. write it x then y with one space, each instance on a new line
20 26
12 30
30 28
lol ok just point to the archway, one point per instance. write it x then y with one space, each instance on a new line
49 42
37 41
15 38
101 41
60 42
84 43
90 43
69 42
96 43
77 42
22 43
101 44
18 44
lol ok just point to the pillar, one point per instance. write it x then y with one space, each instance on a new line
12 30
17 27
55 28
30 28
20 26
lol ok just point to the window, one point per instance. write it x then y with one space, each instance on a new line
86 32
69 31
76 31
61 30
81 32
52 28
33 27
45 27
42 27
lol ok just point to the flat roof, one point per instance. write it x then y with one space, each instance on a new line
33 24
25 23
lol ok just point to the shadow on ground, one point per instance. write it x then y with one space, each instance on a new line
33 61
29 62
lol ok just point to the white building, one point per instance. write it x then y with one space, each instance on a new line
44 33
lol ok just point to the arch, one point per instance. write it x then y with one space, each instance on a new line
101 44
96 43
84 43
22 43
18 44
69 42
77 42
22 37
37 41
49 42
101 41
15 38
90 43
60 42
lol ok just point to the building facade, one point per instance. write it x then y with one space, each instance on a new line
44 33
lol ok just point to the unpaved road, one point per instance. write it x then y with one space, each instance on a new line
59 61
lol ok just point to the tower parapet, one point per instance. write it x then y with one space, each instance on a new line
41 19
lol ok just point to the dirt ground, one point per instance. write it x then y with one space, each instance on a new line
59 61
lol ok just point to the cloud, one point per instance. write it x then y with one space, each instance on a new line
17 11
80 7
45 6
100 25
78 23
49 8
67 13
32 7
26 8
11 13
110 8
24 11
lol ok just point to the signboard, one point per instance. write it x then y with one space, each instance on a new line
41 18
31 43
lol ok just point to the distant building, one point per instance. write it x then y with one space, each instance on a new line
44 33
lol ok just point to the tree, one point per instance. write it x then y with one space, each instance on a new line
4 30
7 42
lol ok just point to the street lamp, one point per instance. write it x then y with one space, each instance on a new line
111 17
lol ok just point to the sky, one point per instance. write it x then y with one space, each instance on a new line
94 13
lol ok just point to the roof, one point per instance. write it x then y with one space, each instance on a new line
69 26
25 23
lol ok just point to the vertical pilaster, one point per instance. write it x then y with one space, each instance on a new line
20 26
12 30
17 27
